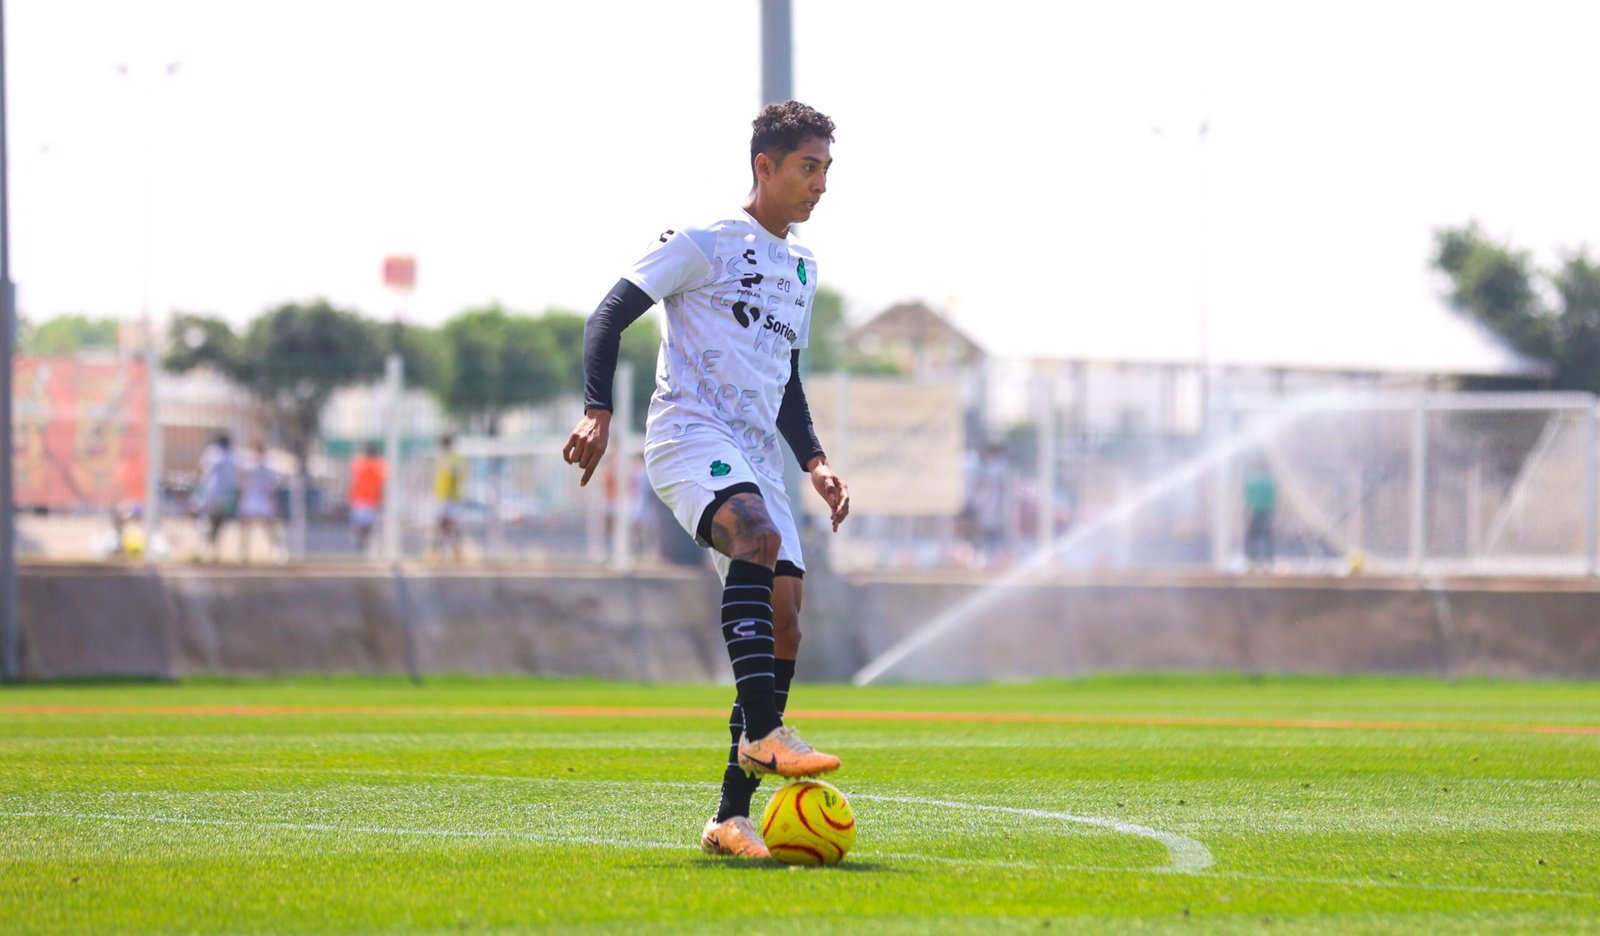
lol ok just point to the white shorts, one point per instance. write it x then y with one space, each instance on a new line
688 471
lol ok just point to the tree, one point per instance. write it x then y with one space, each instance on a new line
66 335
1500 286
1495 284
1577 284
496 362
826 350
291 358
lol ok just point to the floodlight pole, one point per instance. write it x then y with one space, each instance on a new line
10 631
777 52
154 456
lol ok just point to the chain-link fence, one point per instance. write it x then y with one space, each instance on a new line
1338 481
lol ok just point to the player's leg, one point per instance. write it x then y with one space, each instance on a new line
781 752
742 531
213 535
738 788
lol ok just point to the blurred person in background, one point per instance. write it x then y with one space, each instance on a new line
1260 504
738 294
258 504
368 473
447 481
216 499
990 496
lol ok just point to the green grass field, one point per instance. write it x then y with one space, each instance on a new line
1164 804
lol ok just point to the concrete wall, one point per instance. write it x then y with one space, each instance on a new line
662 625
1456 628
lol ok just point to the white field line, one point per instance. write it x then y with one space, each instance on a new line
566 839
543 838
1185 855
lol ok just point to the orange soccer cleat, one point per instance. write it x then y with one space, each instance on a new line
783 753
735 835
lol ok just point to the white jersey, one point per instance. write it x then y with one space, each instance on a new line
738 300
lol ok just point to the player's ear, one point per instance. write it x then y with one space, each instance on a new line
765 167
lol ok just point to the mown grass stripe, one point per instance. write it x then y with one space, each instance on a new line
623 711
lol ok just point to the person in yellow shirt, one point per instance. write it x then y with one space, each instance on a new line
447 478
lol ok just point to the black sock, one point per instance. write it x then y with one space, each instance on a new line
747 631
737 786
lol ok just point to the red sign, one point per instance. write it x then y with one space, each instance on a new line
80 432
400 273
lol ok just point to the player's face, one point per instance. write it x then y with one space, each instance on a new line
799 181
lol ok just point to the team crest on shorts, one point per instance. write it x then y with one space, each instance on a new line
720 468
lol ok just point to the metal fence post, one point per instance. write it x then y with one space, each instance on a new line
394 387
1591 489
622 464
1047 466
1419 485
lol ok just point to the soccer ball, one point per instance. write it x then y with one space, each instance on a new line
808 822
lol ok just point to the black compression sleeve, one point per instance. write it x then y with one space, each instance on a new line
602 340
794 416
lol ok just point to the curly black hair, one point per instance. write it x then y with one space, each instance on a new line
781 128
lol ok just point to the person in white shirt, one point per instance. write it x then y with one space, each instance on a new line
216 499
738 294
258 504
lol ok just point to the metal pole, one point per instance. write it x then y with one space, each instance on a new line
777 52
622 464
1046 502
1591 490
1218 420
154 455
1419 485
10 631
777 86
394 386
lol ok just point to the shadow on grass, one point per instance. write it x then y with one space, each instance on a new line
845 867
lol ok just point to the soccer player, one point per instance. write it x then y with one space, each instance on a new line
738 296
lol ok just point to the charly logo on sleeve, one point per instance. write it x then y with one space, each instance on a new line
720 468
800 271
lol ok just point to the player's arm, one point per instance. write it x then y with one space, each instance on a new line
794 422
602 343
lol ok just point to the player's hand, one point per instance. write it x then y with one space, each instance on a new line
833 490
588 441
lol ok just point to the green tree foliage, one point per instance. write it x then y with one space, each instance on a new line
1495 284
1501 287
66 335
423 352
826 350
291 358
498 361
1577 286
565 330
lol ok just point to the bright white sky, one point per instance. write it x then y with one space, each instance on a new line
999 160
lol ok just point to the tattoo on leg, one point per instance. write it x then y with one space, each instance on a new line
738 530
